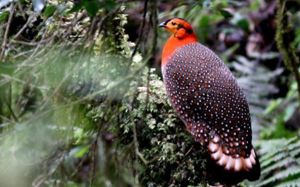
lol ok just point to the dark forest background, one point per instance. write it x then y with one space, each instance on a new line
82 101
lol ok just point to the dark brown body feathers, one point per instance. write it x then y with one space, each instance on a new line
214 109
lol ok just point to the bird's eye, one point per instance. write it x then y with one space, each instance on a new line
173 23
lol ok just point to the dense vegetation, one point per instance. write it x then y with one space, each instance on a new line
82 101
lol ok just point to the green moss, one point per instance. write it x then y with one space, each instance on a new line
174 157
285 41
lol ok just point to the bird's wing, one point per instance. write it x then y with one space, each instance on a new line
207 98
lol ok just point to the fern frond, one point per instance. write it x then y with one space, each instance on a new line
293 183
280 162
278 165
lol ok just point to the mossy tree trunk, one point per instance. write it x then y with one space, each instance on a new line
284 38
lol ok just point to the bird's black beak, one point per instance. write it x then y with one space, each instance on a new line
162 24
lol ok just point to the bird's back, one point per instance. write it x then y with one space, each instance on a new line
207 98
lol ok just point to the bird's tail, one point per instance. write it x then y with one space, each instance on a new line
225 165
228 169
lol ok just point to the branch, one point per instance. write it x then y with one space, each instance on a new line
141 30
136 145
11 12
153 21
31 17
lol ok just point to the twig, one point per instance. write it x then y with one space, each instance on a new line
104 19
39 181
11 12
96 148
32 43
141 30
90 29
8 104
39 45
118 83
21 10
188 152
93 159
152 52
75 20
136 145
154 22
24 53
24 26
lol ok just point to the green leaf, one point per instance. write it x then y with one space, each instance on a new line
204 26
279 131
289 111
244 24
204 21
91 7
82 151
273 105
254 5
225 13
277 165
7 68
77 6
108 4
293 182
49 11
297 38
279 162
4 16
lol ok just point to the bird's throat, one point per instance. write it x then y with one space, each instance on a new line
174 43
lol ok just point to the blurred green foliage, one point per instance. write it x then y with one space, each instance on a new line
77 108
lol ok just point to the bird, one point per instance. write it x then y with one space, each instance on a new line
206 97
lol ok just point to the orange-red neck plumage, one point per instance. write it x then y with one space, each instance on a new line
174 43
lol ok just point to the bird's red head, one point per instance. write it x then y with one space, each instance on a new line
182 34
180 28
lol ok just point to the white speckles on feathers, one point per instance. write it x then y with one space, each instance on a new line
206 96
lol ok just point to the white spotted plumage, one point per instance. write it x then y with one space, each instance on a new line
207 98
